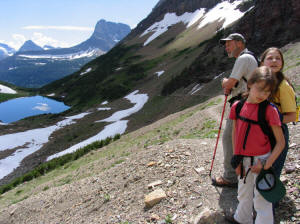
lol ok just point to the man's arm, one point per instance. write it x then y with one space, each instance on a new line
228 84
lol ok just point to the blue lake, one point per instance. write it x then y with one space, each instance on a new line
16 109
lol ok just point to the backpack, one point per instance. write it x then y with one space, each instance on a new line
261 120
265 127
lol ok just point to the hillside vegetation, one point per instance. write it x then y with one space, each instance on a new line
109 185
173 154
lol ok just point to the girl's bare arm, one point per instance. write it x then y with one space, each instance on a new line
280 143
289 117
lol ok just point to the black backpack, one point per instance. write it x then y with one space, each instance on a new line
262 122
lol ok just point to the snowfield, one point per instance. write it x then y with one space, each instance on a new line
30 141
5 89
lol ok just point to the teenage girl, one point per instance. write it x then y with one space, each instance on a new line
256 154
284 98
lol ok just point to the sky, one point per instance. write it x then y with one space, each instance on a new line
64 23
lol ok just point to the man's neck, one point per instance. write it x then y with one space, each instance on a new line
239 52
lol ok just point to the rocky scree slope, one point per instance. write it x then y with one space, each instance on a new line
171 156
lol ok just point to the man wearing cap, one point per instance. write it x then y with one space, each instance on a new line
234 85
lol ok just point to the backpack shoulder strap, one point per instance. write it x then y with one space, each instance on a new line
262 116
238 109
265 127
251 53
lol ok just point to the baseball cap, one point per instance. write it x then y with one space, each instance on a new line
233 36
270 186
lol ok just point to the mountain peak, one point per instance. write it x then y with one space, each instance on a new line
106 35
29 45
105 28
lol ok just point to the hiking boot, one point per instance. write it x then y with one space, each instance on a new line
231 219
221 182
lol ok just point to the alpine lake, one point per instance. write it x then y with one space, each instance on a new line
19 108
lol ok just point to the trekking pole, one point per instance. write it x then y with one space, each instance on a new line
212 162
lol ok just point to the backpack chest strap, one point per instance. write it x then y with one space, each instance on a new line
247 120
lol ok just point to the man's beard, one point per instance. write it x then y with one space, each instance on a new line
230 54
236 51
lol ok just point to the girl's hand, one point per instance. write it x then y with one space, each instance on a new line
257 167
238 170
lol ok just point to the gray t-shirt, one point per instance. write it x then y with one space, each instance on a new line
243 67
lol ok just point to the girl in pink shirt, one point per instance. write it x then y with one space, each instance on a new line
253 147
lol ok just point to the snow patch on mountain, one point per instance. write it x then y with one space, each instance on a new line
40 64
86 71
5 89
224 11
77 55
195 89
172 19
159 73
103 108
117 127
28 142
138 99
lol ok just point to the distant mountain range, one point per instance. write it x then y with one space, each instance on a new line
6 51
33 66
29 45
48 47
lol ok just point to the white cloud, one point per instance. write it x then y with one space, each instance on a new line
17 42
41 40
73 28
38 38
